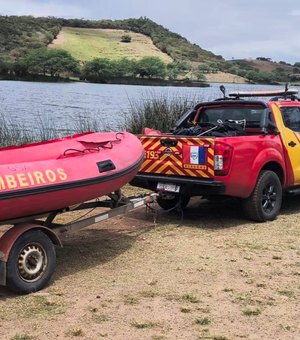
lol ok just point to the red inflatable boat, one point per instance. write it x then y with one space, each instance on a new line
42 177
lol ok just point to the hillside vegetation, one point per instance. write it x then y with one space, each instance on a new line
86 44
25 32
86 40
20 34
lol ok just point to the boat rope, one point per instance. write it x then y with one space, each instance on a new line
177 208
97 149
108 144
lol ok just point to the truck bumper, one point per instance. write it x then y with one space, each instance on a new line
188 186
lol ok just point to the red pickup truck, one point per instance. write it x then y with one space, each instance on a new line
235 146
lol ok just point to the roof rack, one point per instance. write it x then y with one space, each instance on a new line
275 94
285 94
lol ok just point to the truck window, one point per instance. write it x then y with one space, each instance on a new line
252 115
291 118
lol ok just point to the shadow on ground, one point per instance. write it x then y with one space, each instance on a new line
201 213
90 247
290 205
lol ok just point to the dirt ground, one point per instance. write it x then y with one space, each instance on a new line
212 275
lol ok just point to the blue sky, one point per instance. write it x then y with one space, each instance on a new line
231 28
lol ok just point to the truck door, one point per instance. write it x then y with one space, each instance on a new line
290 133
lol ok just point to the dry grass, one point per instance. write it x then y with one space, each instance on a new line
86 44
213 277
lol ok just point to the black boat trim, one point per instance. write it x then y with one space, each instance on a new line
69 185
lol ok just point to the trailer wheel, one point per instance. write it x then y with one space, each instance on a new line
265 202
169 203
31 262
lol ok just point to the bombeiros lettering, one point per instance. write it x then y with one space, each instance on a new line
32 178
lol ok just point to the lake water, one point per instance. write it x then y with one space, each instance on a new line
61 105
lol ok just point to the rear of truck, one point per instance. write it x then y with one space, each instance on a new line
217 149
182 164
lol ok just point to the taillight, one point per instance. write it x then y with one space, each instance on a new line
222 158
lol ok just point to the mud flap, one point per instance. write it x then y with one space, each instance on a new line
2 273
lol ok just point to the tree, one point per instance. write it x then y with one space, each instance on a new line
177 68
151 67
50 61
60 61
20 68
125 67
99 70
35 61
5 66
200 76
204 68
214 66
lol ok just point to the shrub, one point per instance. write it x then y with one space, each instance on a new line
126 38
156 112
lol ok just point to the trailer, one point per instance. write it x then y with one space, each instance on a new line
27 249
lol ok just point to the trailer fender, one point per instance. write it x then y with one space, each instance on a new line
10 237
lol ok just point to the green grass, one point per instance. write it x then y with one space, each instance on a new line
251 311
130 300
190 298
76 332
185 310
286 292
22 337
148 294
143 324
33 306
203 321
86 44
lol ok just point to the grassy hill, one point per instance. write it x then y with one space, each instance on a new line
88 43
20 34
89 39
269 66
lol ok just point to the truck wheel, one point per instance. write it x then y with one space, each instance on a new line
265 202
31 262
169 203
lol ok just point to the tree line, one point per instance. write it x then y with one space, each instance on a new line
57 63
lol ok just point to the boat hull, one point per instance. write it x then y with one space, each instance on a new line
56 174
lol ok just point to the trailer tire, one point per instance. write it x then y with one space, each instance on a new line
31 262
265 201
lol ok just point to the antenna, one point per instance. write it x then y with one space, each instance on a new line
223 90
286 90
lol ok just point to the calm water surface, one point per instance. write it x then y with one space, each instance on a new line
61 105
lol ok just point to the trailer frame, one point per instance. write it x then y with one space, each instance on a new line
27 254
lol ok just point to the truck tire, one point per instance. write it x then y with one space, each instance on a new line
265 201
168 204
31 262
